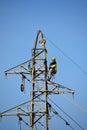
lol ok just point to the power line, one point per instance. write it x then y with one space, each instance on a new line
66 114
75 104
56 113
39 90
68 57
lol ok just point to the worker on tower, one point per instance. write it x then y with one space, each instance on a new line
52 67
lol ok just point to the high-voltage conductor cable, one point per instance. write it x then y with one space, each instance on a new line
66 114
68 57
58 115
75 104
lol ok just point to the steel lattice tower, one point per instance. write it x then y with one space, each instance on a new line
40 88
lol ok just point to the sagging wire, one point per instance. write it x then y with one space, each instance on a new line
58 115
68 57
75 104
67 114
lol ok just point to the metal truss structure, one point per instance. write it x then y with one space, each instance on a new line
40 89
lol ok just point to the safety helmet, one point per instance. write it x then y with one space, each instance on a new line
53 59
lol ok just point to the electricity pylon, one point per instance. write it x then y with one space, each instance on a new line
40 88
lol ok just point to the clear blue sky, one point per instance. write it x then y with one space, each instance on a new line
64 22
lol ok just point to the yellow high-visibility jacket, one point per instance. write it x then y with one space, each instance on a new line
53 65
